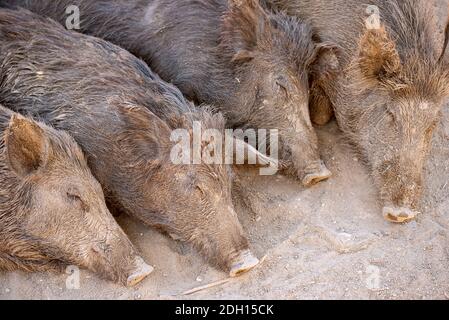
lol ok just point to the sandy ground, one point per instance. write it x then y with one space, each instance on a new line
327 242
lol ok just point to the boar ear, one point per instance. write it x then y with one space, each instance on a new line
27 146
144 132
244 23
325 61
242 56
378 58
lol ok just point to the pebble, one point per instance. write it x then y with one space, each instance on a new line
199 279
345 237
7 290
258 219
137 296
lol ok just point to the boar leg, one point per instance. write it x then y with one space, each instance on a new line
321 111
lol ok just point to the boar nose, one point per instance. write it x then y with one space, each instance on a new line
399 214
316 173
243 263
141 271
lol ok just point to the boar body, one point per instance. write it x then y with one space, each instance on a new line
253 65
389 98
52 210
122 115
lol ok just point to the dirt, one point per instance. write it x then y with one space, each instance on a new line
326 242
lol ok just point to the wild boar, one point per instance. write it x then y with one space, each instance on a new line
123 116
52 210
253 65
389 98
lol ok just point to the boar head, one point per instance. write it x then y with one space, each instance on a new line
191 202
402 86
275 57
63 219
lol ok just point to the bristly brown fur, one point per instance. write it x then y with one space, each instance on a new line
122 115
389 97
21 247
253 65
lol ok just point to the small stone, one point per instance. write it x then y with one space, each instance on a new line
258 219
137 296
199 279
7 290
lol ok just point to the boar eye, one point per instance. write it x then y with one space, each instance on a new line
281 82
200 190
391 116
76 200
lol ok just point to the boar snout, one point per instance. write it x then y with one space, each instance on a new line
315 173
140 272
401 189
399 214
242 263
116 259
303 145
124 269
405 196
223 242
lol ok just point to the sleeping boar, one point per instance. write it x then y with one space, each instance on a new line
389 98
253 65
123 116
52 210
